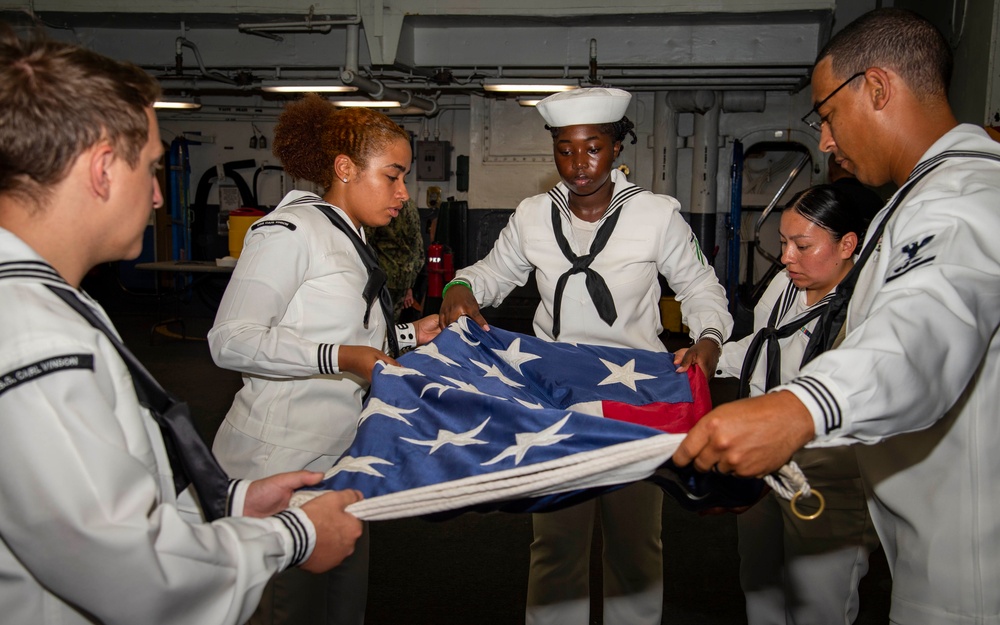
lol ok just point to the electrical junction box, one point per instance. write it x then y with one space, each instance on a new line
433 160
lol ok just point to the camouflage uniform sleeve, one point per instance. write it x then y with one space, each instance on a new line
400 248
411 244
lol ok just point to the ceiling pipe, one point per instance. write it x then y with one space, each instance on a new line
744 101
705 105
179 46
378 91
308 26
323 26
664 145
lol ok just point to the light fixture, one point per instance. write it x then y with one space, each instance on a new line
533 85
305 86
382 104
528 101
177 103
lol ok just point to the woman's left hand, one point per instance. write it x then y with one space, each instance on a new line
427 328
270 495
705 353
361 360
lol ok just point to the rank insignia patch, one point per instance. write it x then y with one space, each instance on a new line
915 254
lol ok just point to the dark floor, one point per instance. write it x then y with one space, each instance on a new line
471 569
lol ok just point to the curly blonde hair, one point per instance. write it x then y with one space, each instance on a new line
311 132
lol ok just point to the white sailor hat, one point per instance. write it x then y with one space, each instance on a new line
593 105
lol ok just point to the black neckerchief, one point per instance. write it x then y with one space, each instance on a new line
596 286
190 458
832 319
769 337
375 287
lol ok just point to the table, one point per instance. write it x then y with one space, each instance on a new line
185 266
198 270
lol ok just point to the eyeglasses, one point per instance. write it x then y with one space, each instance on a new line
817 124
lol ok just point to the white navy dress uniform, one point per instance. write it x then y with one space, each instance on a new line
792 570
294 298
916 380
649 238
74 429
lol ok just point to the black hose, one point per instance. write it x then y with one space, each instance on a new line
205 184
256 174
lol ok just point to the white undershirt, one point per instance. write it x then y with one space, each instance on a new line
583 232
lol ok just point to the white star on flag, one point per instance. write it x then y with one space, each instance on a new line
398 370
513 355
378 407
461 327
436 386
527 440
493 371
623 374
445 437
431 350
357 465
468 387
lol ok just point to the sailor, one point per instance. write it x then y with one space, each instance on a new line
597 245
97 522
916 378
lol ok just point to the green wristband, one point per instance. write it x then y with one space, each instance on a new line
444 291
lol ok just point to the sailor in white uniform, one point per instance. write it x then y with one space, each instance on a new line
597 244
794 570
93 528
305 318
915 380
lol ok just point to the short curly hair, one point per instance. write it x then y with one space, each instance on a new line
311 132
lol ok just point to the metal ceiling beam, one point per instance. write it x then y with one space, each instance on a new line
638 45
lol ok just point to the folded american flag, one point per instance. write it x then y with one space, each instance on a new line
496 420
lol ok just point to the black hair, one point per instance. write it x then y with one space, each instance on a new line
829 208
897 39
618 130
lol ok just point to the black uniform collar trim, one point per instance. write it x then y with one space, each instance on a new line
624 191
306 198
311 199
787 300
34 270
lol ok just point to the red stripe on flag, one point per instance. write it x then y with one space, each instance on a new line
671 417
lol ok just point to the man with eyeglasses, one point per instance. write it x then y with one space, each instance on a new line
916 379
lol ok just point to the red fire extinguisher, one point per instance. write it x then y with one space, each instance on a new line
440 268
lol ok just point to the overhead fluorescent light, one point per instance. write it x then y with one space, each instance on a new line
305 86
177 103
381 104
528 101
534 85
